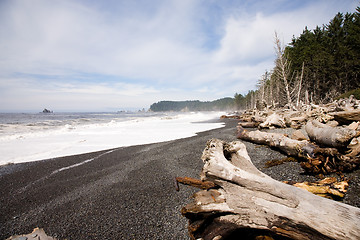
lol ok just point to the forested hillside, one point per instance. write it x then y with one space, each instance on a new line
217 105
316 67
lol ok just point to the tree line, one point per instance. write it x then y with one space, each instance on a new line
217 105
315 67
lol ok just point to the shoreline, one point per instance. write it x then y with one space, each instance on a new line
122 193
33 142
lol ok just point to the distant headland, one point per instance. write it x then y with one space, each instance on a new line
222 104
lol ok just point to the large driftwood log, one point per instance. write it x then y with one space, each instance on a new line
315 159
329 136
247 199
274 120
248 124
347 117
287 145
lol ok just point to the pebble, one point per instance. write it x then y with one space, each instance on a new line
20 238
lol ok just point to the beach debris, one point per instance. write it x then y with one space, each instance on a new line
328 187
298 135
346 104
276 162
193 182
248 124
232 116
248 202
312 157
323 134
354 148
37 234
287 145
343 111
346 117
272 121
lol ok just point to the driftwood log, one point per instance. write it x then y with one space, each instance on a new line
249 124
347 117
274 120
346 104
277 140
314 159
247 201
323 134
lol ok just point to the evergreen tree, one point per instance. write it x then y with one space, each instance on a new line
331 57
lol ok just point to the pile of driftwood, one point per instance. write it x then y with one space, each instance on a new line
332 143
343 111
240 202
237 200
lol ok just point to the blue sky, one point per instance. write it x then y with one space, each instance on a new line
91 55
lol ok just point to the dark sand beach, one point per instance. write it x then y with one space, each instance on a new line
127 193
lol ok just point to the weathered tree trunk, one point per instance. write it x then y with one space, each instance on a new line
300 85
283 68
329 136
287 145
316 160
307 102
247 199
248 124
347 116
274 120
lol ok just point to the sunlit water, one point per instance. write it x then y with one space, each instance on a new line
30 137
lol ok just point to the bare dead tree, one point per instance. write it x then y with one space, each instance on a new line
300 84
261 85
282 68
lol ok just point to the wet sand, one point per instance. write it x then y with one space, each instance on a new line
124 193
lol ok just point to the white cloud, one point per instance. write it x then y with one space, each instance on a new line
151 51
250 38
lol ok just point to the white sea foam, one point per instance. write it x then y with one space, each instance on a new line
31 143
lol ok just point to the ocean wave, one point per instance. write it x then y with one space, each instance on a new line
81 135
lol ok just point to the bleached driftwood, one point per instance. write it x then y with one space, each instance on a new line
259 116
274 120
297 122
346 117
232 116
285 144
248 199
347 104
295 119
354 148
248 124
329 136
298 135
315 159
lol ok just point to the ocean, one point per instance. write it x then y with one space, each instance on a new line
26 137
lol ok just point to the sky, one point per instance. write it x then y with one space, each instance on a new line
111 55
